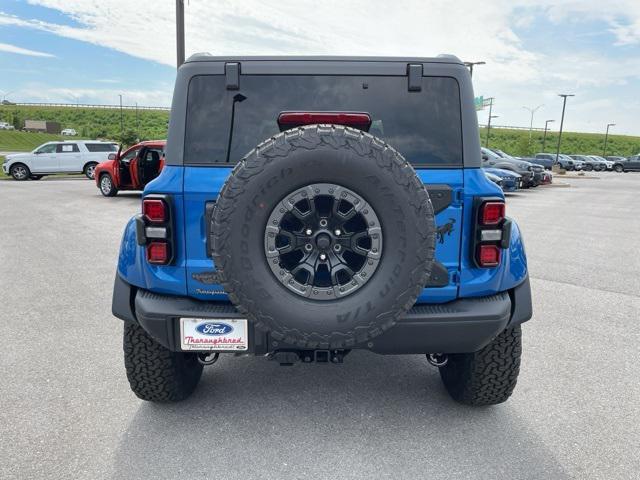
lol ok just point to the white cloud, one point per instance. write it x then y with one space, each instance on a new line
515 74
38 92
6 47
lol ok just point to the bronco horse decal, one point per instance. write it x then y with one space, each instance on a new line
445 229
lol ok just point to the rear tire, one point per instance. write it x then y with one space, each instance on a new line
20 172
588 168
90 170
156 374
488 376
107 188
618 168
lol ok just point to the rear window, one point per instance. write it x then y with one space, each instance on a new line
101 147
424 126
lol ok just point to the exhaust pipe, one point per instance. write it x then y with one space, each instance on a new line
437 359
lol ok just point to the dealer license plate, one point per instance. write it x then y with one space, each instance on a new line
213 334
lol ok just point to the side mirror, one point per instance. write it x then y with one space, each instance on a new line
37 152
112 156
485 158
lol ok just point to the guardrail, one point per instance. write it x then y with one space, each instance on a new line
507 127
83 105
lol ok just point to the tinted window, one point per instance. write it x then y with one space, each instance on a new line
424 126
67 148
101 147
131 154
47 148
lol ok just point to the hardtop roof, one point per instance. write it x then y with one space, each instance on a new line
207 57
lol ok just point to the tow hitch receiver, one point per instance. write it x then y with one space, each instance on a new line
289 357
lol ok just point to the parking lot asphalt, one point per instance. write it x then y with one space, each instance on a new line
66 410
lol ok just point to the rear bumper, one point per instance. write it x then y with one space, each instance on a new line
464 325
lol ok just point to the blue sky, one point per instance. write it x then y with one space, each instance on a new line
90 51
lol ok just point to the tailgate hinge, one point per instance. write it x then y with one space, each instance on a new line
232 75
414 72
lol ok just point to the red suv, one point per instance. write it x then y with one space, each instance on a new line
131 169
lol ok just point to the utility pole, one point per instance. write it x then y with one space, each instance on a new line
606 137
137 123
471 64
486 143
180 31
121 119
564 105
532 111
544 138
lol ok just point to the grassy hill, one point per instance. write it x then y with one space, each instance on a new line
152 124
93 122
516 142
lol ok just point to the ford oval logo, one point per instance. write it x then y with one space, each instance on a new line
214 328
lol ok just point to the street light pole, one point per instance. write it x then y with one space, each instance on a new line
180 31
564 105
137 123
532 111
544 138
5 95
121 119
486 143
606 137
471 64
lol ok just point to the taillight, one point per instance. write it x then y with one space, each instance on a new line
158 253
359 120
491 213
492 232
154 229
488 255
154 209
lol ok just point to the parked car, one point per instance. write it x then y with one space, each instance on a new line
590 164
547 160
616 158
494 178
80 156
303 235
510 181
631 164
524 169
570 164
6 126
608 163
69 131
132 169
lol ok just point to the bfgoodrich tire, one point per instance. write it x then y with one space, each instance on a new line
488 376
313 165
155 373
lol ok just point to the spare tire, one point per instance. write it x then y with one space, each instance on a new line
323 236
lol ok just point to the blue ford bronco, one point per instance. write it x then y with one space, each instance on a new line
311 206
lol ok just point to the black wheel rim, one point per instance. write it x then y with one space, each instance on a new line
323 241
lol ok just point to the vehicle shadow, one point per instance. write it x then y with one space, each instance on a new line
373 417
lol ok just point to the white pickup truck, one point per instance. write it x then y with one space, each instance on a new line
79 156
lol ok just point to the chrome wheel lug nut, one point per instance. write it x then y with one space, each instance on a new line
338 232
308 231
323 257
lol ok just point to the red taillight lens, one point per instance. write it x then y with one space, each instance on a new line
491 213
288 120
157 253
155 210
488 255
